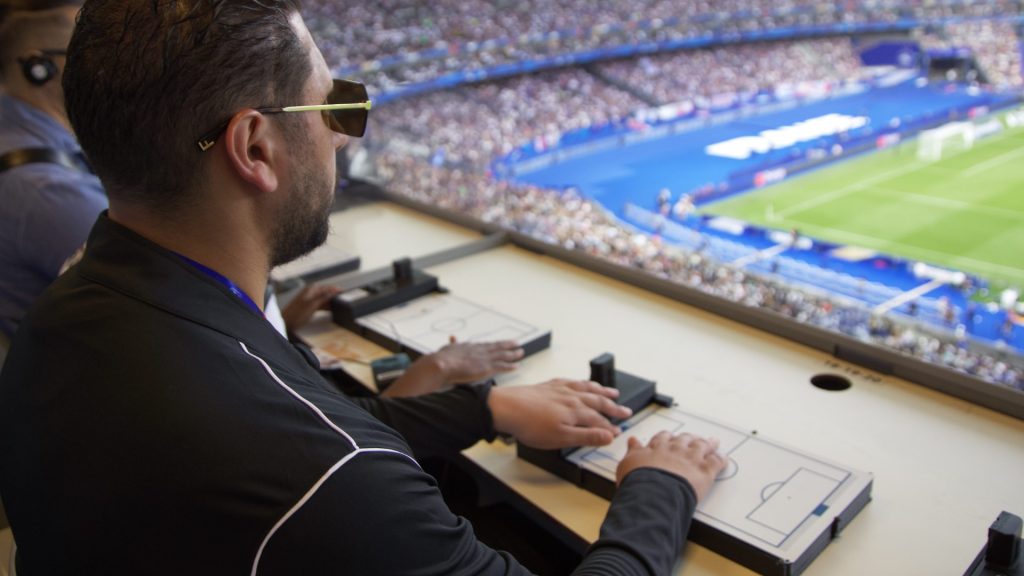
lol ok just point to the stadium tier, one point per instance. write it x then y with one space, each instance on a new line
674 137
402 42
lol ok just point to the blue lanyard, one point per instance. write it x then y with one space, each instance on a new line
225 281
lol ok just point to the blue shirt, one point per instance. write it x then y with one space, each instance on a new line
46 210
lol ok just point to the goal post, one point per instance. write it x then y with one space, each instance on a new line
935 143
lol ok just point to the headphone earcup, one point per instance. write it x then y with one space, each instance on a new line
38 70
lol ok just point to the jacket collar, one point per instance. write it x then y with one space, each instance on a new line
124 261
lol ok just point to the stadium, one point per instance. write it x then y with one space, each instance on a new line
851 165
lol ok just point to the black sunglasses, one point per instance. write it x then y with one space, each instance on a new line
346 112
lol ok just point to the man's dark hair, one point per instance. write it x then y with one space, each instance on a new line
145 78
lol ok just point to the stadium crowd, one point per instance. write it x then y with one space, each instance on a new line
402 41
704 74
571 221
995 46
472 125
394 27
438 148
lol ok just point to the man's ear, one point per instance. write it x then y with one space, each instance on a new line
254 149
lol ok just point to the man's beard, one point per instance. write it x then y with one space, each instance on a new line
304 223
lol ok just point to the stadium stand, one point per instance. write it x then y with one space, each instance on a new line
704 74
402 41
470 126
993 44
439 147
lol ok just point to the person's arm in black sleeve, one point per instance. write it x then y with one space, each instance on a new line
645 528
377 512
437 424
554 414
660 484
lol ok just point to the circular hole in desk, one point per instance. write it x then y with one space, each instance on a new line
831 382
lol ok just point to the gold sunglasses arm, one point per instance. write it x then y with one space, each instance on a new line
210 138
326 107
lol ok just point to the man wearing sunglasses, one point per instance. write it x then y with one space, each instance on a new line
48 197
151 420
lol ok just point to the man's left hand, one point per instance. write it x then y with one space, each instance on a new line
463 362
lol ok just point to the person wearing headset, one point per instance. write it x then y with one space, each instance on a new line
49 197
148 400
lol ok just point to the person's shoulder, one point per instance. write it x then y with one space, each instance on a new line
54 193
132 348
43 179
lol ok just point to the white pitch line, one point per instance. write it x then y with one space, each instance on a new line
977 169
859 185
915 165
907 296
951 203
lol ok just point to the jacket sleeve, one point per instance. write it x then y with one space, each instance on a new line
645 528
438 424
378 513
649 517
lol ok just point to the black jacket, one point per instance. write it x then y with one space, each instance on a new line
151 423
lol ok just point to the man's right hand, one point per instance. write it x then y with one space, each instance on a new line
685 455
558 413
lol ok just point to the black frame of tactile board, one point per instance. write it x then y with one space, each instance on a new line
1003 552
727 545
637 393
391 291
381 294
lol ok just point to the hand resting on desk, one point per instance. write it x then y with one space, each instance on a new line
465 362
311 298
456 363
558 413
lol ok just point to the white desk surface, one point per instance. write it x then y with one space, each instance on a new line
381 232
943 468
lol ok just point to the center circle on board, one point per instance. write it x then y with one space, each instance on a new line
448 325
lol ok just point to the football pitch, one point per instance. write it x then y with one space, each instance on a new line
964 212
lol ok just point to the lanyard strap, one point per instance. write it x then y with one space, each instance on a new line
225 281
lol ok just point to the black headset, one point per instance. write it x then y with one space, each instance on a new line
40 69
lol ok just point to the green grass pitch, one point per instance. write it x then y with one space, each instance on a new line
964 212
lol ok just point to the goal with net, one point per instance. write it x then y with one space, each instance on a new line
933 144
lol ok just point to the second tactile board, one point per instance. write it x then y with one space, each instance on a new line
774 507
